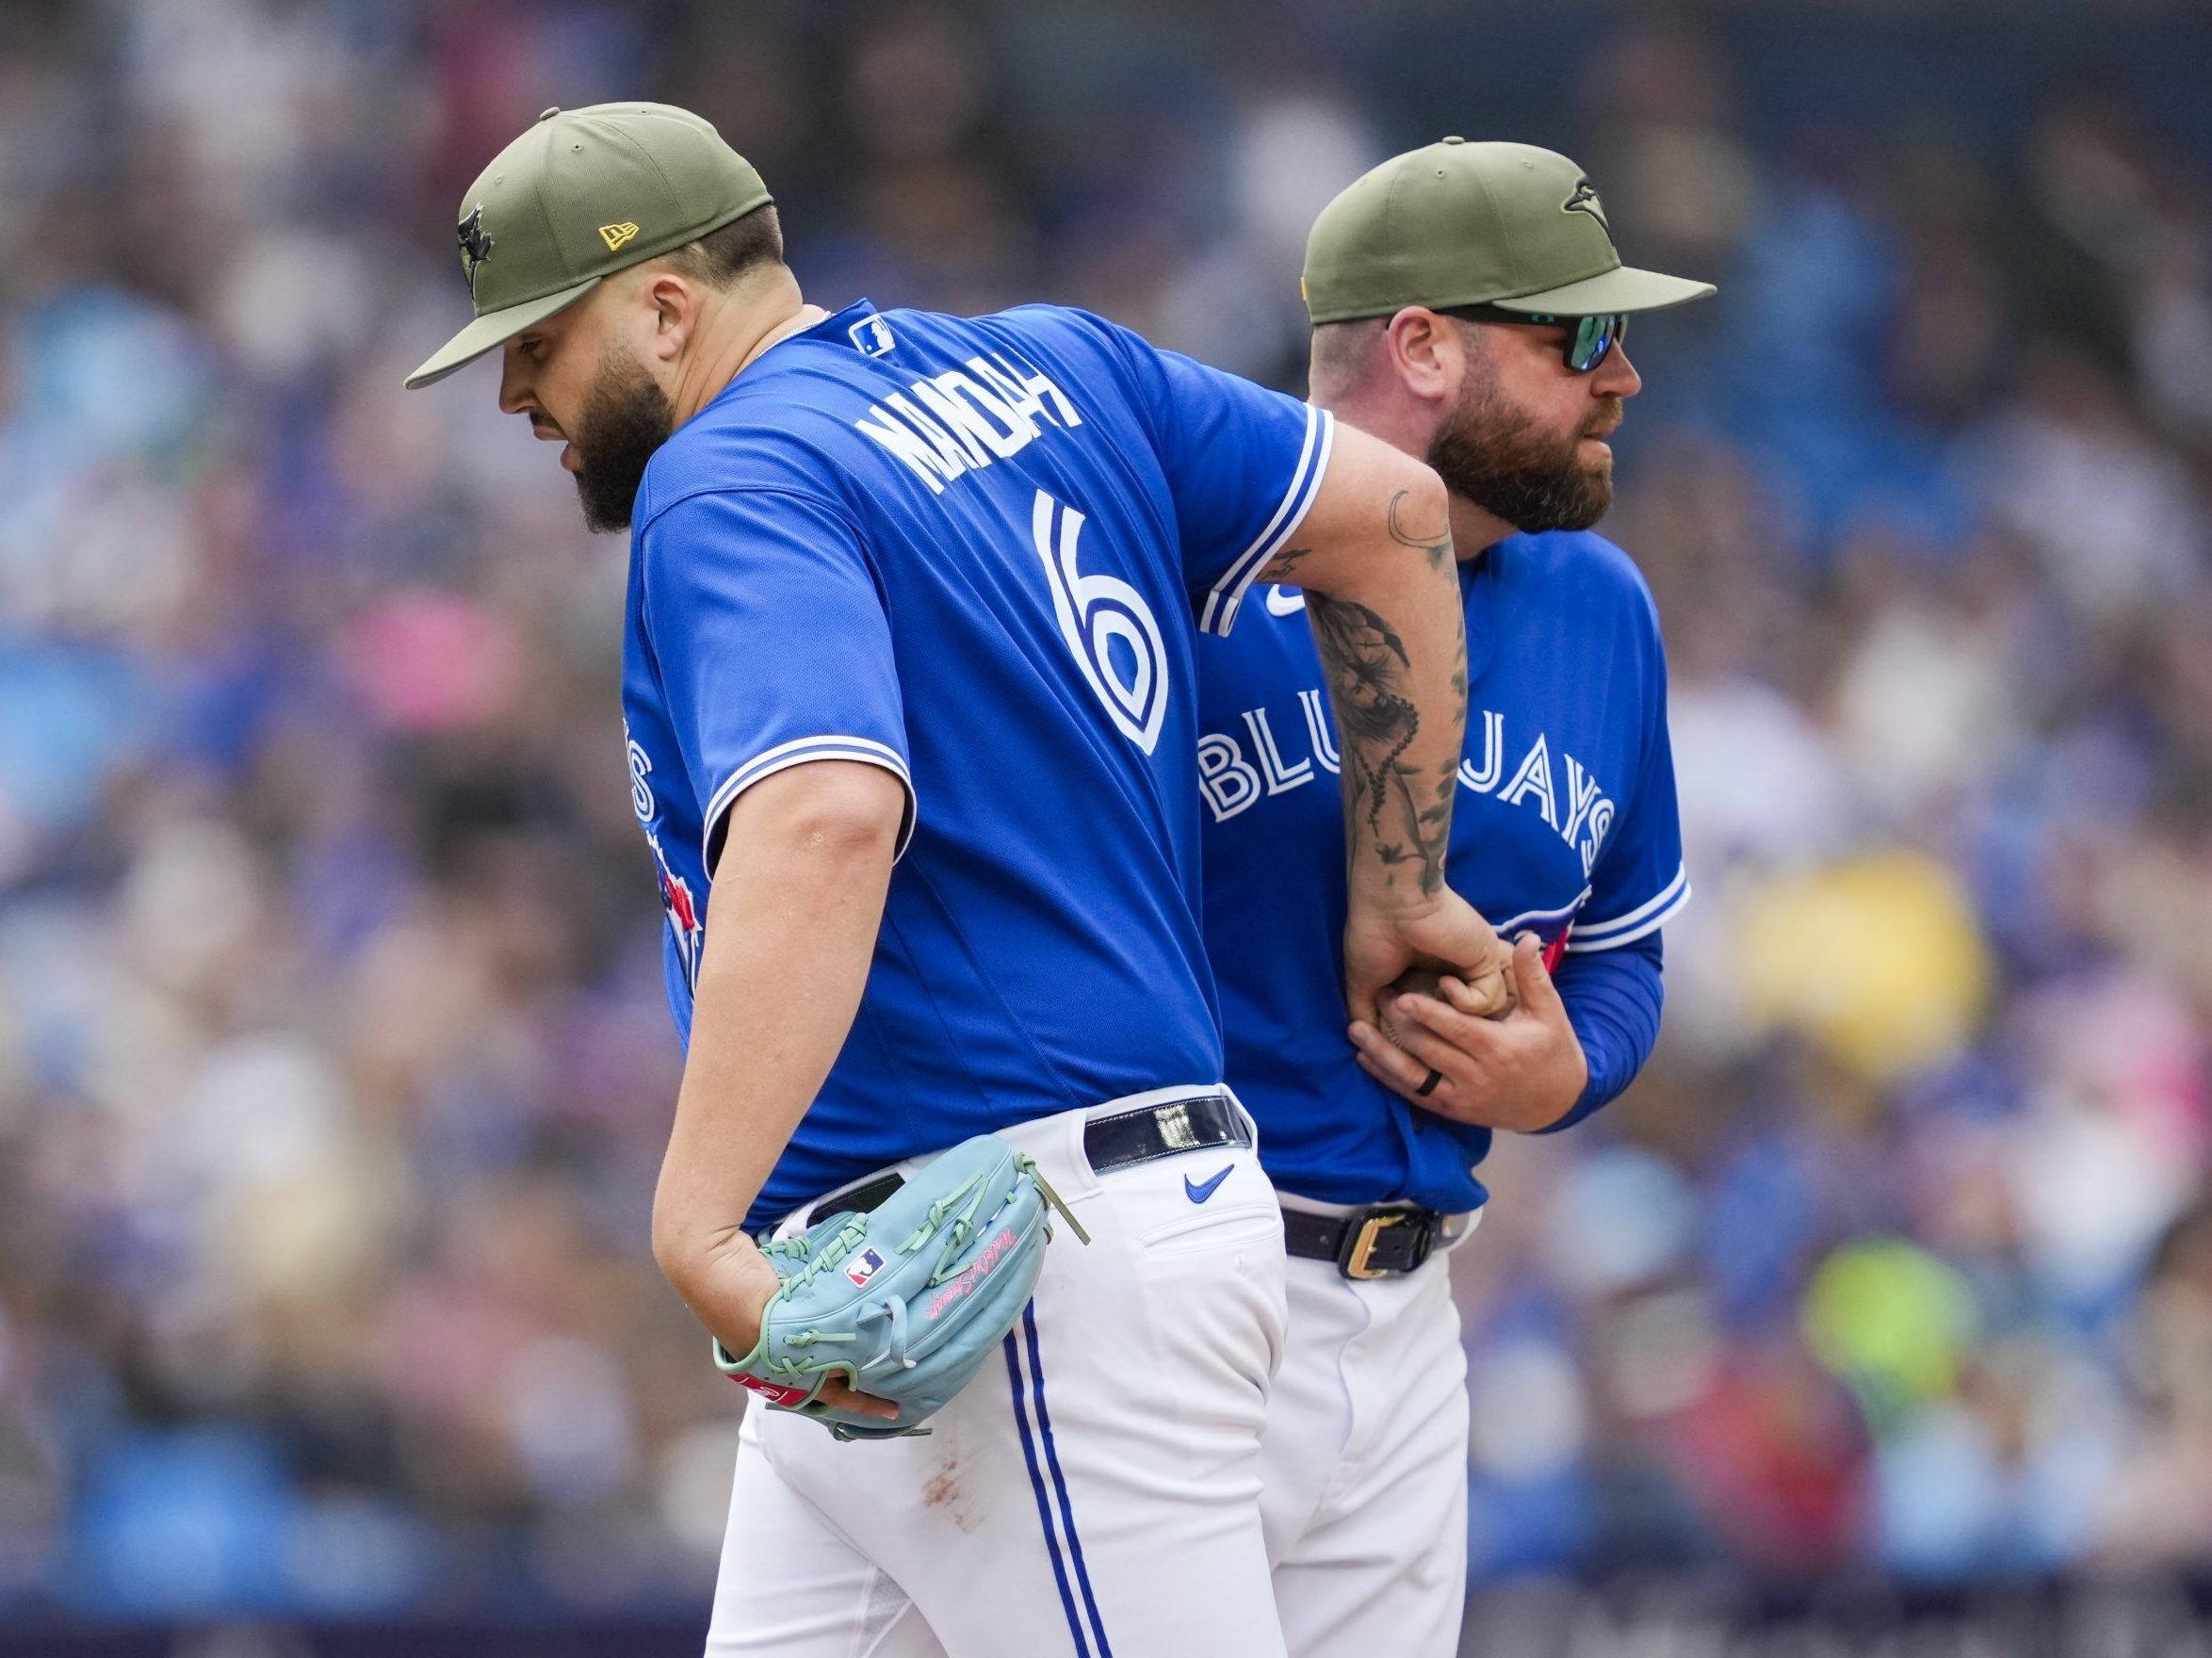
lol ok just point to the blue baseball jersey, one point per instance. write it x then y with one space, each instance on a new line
1565 824
969 551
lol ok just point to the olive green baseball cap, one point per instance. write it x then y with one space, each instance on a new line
585 193
1456 224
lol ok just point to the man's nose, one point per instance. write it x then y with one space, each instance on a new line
515 388
1617 377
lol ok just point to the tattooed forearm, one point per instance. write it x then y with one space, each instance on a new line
1391 812
1435 543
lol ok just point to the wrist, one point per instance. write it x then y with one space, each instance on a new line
725 1281
1574 1082
1376 894
1574 1071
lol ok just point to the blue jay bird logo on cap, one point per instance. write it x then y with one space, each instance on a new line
476 247
1585 200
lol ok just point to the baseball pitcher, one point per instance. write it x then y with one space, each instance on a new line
912 718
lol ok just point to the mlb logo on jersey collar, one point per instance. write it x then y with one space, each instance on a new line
871 336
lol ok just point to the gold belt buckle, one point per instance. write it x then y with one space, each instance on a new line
1362 1245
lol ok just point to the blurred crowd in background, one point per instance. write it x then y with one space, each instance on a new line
335 1067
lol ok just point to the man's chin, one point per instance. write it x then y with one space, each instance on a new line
1597 493
1593 511
1595 502
603 514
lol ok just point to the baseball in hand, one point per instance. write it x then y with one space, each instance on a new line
1482 993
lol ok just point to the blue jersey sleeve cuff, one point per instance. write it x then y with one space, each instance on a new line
1640 922
800 751
1219 613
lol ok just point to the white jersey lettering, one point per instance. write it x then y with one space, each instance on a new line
1232 777
1535 777
1279 777
956 423
932 454
1227 777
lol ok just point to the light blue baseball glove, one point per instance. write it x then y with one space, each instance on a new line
906 1302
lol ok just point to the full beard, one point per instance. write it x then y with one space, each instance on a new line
625 418
1491 454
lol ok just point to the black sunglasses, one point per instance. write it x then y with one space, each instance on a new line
1590 343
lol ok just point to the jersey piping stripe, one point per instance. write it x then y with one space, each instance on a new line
798 752
771 756
1075 1543
1664 897
1615 940
1220 612
1036 1480
1229 594
1506 930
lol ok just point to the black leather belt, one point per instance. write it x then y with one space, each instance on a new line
1121 1140
1383 1240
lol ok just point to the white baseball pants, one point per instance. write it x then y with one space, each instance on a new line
1364 1464
1095 1491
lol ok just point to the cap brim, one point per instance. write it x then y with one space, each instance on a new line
1624 289
492 330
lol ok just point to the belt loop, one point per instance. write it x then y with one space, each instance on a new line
1251 1122
1081 1174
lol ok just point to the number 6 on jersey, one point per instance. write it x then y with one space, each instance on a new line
1094 612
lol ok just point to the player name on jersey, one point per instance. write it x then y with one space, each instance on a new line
1568 798
953 423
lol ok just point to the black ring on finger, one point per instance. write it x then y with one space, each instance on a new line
1429 1087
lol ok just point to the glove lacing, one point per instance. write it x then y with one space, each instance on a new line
818 1258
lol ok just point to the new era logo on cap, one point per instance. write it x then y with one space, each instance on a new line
615 234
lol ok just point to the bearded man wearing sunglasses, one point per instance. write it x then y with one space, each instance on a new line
1469 307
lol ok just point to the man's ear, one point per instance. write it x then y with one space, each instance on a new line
674 303
1427 353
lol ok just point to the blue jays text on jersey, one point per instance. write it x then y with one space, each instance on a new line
968 551
1565 824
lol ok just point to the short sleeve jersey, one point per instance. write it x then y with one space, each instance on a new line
970 551
1565 824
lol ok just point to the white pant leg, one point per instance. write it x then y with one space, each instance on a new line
1365 1465
1094 1490
824 1600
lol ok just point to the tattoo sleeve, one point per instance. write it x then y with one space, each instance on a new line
1398 788
1392 812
